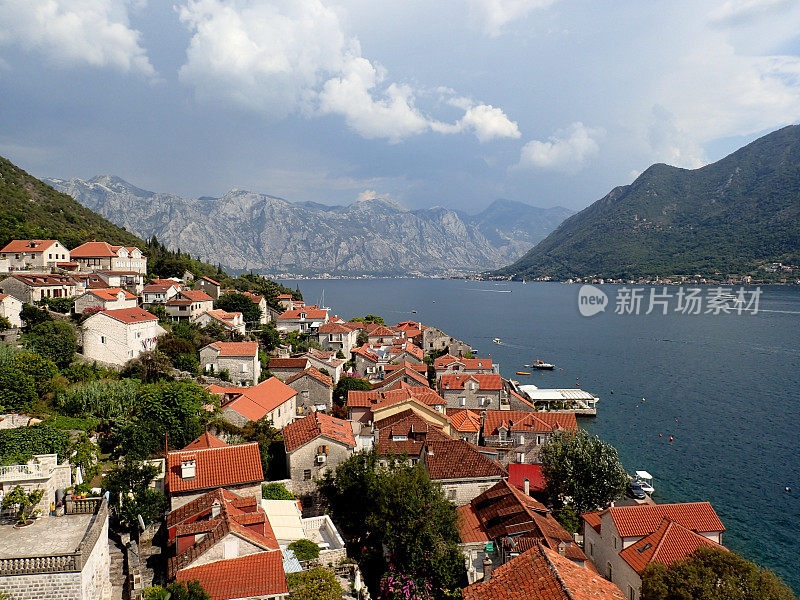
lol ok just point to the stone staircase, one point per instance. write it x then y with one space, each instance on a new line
119 573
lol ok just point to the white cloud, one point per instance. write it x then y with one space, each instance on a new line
288 56
739 12
73 32
493 15
566 150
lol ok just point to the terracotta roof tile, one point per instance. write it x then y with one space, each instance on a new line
256 402
235 348
334 328
129 315
517 420
457 459
375 398
255 575
469 527
215 467
670 542
486 381
542 574
110 294
288 363
315 373
25 245
644 519
207 440
465 421
472 364
517 473
317 425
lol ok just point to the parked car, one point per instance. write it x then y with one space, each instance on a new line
634 490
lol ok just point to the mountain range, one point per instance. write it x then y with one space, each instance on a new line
729 217
246 230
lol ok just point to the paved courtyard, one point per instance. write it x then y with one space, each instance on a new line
46 537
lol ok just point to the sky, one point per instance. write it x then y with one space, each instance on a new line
450 103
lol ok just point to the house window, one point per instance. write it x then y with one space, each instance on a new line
522 439
610 573
244 368
615 542
451 493
305 394
462 400
102 339
631 593
591 549
307 475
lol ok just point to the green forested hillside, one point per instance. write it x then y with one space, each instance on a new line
728 217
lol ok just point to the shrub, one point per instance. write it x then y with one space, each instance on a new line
275 491
304 549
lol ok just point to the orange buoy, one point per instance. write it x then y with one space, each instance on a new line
670 438
660 435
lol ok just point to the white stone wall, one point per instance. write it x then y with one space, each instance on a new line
10 308
64 586
95 576
304 458
463 491
311 392
471 398
111 341
243 370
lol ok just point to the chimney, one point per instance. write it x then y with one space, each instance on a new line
215 509
487 568
562 548
188 467
527 486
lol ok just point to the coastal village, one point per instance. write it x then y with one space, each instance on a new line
285 400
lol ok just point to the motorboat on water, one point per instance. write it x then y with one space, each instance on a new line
645 480
497 341
540 364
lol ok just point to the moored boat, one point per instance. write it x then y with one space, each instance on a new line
540 364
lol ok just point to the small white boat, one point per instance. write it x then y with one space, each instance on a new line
497 341
644 479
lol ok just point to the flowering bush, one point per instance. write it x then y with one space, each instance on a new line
397 586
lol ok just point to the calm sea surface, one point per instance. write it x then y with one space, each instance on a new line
726 387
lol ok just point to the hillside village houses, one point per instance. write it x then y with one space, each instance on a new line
476 434
34 255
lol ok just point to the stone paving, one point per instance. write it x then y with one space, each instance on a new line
47 536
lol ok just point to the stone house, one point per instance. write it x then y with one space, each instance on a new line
466 424
286 368
474 542
64 557
315 444
434 339
188 305
285 301
30 288
314 390
449 365
372 406
42 472
232 321
34 255
261 303
271 399
464 471
102 256
303 319
158 291
475 392
519 435
224 541
336 337
105 299
515 522
209 286
383 336
196 469
119 335
239 359
403 375
622 540
540 573
129 280
10 308
326 362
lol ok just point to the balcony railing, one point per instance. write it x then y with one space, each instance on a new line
18 472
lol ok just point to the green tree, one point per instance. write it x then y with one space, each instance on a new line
32 316
17 446
54 340
315 584
304 549
346 384
4 325
150 366
179 590
269 337
582 467
25 501
369 319
130 494
270 444
275 491
712 574
362 338
235 302
25 377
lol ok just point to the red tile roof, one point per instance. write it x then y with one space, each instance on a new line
210 280
472 364
517 473
469 527
317 425
457 459
129 315
195 295
235 348
382 331
517 420
226 318
288 363
670 542
94 250
315 373
256 402
159 287
542 574
485 381
644 519
311 313
110 294
45 280
465 421
215 467
334 328
398 374
379 399
284 296
254 575
420 368
207 440
25 245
